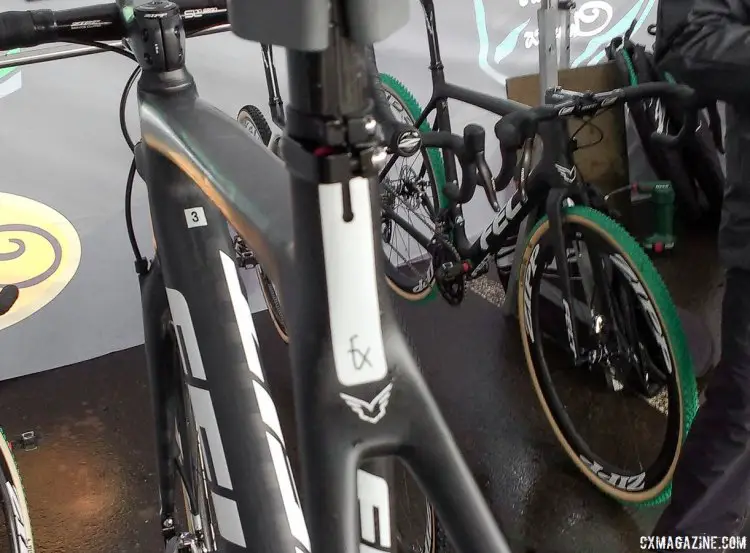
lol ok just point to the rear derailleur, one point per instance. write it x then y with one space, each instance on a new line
243 256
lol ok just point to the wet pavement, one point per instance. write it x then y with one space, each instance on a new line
92 488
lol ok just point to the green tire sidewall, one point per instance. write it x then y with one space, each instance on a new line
653 283
408 100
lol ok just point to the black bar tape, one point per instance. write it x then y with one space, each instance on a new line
17 30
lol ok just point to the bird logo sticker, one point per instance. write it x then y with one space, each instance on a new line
371 411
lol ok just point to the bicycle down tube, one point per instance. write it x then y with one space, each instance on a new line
358 391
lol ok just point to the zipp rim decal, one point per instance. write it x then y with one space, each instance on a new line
648 307
634 483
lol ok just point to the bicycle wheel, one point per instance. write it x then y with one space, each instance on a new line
274 304
15 508
190 477
256 124
634 349
253 120
412 189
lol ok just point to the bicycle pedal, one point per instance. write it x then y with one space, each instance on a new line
28 441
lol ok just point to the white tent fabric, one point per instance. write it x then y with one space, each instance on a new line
61 147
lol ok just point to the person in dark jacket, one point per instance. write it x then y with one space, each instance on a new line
711 486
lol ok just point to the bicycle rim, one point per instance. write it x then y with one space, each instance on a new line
15 508
412 190
273 303
191 474
656 335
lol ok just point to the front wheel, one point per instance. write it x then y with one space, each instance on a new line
256 124
15 510
411 195
633 379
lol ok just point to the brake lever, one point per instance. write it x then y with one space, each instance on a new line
474 140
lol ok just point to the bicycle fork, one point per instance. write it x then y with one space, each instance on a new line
554 206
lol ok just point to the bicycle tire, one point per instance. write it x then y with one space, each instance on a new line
15 506
252 118
274 304
667 163
251 115
186 438
405 288
657 487
410 103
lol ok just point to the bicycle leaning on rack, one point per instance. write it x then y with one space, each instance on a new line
12 496
606 313
360 399
597 322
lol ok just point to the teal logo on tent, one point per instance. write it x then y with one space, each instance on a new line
508 41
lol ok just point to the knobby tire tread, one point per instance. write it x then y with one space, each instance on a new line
435 159
620 239
411 104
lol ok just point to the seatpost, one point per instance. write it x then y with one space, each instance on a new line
566 7
330 113
547 19
331 138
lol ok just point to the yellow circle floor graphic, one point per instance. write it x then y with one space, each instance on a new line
39 252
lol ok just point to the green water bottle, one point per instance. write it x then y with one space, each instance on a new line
661 195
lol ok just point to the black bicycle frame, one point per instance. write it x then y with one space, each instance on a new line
203 170
275 102
554 179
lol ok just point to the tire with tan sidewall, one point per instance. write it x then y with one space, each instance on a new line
618 238
11 475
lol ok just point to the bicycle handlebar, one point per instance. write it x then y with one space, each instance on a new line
100 22
514 129
469 150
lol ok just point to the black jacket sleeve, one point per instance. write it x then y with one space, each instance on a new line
712 54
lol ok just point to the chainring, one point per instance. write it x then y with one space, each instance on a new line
452 289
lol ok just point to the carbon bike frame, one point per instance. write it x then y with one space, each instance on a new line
554 179
358 391
189 143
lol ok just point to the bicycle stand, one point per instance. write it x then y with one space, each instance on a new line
552 58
